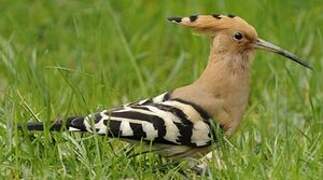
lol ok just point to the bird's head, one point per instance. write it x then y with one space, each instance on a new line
232 35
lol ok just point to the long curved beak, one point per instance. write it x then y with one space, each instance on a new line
265 45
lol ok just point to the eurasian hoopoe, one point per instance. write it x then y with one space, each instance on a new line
180 123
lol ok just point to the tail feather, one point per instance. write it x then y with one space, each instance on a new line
76 124
71 122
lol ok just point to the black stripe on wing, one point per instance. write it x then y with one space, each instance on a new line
114 128
185 126
141 108
139 133
158 123
198 108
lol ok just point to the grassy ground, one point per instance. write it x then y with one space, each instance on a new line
60 58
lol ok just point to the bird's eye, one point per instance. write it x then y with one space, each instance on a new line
237 36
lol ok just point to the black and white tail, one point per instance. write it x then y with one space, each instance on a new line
160 119
57 126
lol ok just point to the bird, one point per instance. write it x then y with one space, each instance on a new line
185 122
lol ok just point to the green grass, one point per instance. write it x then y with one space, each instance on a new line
60 58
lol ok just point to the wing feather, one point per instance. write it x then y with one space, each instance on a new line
159 119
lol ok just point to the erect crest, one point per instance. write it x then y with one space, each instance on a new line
215 22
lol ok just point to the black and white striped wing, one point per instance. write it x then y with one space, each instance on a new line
159 119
